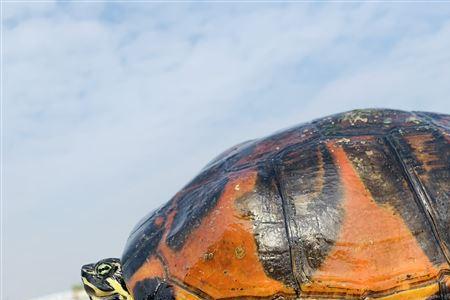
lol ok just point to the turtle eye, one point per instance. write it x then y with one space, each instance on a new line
103 269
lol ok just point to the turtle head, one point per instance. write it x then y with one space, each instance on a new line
103 280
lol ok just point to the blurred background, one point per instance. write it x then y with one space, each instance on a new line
110 108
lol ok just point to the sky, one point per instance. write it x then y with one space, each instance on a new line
110 108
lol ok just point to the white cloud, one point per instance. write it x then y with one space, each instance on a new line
112 108
18 11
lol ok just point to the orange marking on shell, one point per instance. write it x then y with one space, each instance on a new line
182 294
418 293
446 281
220 256
150 269
424 155
159 221
375 251
153 267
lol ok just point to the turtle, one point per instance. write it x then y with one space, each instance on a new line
355 205
104 280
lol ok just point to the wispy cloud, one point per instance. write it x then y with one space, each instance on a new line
111 108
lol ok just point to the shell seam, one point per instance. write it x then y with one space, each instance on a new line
421 195
286 226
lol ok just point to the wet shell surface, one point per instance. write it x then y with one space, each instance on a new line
351 206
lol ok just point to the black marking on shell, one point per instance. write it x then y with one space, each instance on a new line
439 120
442 294
384 177
433 186
314 221
153 289
191 207
143 241
310 184
229 157
264 208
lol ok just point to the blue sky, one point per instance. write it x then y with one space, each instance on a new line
111 108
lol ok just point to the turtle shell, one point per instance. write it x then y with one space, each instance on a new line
351 206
